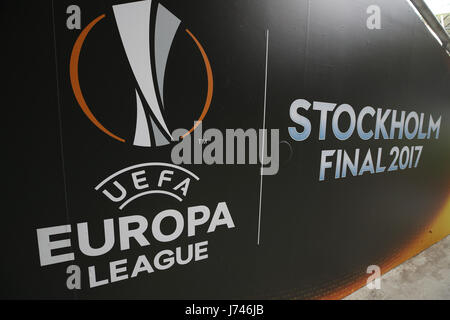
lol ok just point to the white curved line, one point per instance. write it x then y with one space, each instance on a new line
149 192
132 21
150 164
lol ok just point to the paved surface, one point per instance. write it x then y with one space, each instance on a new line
425 276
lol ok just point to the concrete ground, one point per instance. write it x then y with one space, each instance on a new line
423 277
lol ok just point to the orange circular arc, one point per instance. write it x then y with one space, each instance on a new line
209 75
75 81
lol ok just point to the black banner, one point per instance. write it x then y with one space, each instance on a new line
220 149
